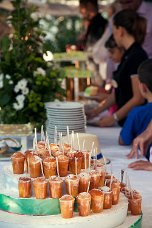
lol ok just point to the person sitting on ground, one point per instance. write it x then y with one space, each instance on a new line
139 117
141 144
129 29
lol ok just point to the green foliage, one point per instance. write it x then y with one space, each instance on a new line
26 80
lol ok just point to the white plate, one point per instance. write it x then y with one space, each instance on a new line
64 105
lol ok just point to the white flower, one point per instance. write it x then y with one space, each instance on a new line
77 25
48 56
17 106
22 83
8 76
54 30
1 77
69 25
16 89
10 82
25 91
34 16
1 84
20 98
39 71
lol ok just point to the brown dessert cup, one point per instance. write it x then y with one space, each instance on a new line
18 163
67 206
56 184
75 162
72 185
35 166
49 167
24 187
63 162
94 180
84 203
85 160
84 181
107 204
40 188
97 199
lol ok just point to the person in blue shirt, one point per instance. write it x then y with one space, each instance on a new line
139 117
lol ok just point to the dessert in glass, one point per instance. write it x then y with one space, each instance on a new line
40 188
97 199
75 162
84 203
115 192
24 187
35 166
135 201
85 160
66 148
56 184
94 179
49 167
72 185
18 163
84 181
107 204
101 169
28 154
63 162
67 206
54 149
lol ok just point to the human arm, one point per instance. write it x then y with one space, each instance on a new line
136 99
141 142
141 165
102 106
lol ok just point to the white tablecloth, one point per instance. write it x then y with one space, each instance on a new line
140 180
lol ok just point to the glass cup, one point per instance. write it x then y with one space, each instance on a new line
66 148
18 163
85 160
24 187
56 184
49 167
84 202
28 154
134 205
35 166
63 162
72 185
107 204
97 199
115 192
54 149
84 180
75 162
101 169
94 180
40 188
67 206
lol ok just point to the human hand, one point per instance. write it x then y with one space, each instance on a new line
92 113
141 165
107 121
140 143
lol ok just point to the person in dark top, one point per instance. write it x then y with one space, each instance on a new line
97 24
129 29
139 117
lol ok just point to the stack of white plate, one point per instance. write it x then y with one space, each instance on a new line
63 114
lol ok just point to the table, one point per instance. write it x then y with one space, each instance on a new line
140 180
